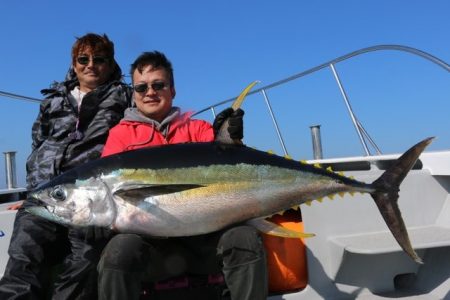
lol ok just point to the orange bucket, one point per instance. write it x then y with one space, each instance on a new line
286 257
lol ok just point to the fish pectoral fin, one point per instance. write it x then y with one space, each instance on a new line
137 192
273 229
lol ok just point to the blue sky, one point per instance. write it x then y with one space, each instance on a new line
218 47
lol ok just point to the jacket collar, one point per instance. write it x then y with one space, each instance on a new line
173 119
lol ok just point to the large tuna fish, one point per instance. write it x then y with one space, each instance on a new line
196 188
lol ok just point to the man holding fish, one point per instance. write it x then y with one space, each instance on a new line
130 259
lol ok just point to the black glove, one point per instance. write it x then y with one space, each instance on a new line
235 122
97 235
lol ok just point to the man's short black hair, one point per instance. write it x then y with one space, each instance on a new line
155 59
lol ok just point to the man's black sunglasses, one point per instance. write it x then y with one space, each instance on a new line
97 60
143 87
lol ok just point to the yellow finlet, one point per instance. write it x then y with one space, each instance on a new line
318 166
308 203
288 157
331 196
329 169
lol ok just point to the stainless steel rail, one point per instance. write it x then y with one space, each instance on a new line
20 97
363 135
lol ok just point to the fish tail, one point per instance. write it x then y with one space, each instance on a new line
386 195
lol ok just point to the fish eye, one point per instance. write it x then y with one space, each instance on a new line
58 193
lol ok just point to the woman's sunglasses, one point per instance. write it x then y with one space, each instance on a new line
97 60
143 87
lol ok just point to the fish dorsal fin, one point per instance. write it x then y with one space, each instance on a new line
138 192
273 229
223 136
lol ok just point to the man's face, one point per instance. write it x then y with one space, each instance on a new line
155 104
92 69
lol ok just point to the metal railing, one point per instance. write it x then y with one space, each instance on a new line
12 192
363 135
20 97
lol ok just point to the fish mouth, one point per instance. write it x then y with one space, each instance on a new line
40 200
50 209
45 207
46 212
